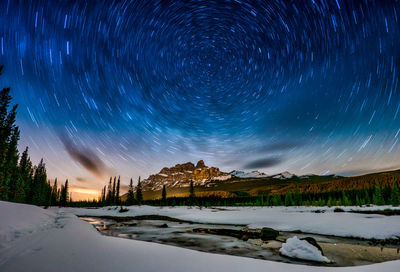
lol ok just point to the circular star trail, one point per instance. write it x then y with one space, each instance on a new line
305 86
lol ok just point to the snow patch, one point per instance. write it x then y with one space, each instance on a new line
301 249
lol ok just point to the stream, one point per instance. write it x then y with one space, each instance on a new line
170 231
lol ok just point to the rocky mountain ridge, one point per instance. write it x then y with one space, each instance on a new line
180 175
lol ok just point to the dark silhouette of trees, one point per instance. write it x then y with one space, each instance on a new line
164 195
130 197
117 200
139 194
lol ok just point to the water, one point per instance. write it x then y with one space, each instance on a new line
342 251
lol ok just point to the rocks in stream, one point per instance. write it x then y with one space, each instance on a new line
265 234
240 234
313 242
268 234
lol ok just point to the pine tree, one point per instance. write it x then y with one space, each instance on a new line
113 192
345 199
377 198
288 199
11 164
130 198
276 200
139 195
117 192
9 136
54 196
109 192
64 194
297 196
164 195
367 199
26 172
394 195
191 190
40 186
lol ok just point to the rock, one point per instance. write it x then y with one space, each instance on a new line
313 242
200 164
245 238
164 226
268 234
240 234
180 175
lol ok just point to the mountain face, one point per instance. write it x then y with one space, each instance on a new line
252 174
283 175
181 174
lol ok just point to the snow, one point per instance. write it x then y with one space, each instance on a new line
222 178
301 249
283 175
56 240
280 218
30 219
252 174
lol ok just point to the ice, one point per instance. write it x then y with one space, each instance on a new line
301 249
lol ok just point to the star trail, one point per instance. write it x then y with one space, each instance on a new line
128 87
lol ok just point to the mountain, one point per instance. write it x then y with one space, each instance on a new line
180 175
252 174
283 175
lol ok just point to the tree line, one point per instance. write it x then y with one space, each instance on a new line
20 180
388 195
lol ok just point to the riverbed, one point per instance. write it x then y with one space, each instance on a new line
341 251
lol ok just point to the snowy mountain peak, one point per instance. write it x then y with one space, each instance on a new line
252 174
283 175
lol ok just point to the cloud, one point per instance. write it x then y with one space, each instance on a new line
85 157
82 180
263 163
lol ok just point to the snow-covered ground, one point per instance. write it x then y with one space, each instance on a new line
34 239
279 218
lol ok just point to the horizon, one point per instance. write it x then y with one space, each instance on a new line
244 86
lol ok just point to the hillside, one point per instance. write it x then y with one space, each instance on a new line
235 186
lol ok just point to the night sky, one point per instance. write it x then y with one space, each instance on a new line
128 87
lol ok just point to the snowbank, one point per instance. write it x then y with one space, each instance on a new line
70 244
18 219
279 218
301 249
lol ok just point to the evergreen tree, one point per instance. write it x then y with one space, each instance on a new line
345 200
276 200
26 172
394 195
11 164
164 195
191 190
130 198
288 199
54 193
103 195
109 192
40 186
297 196
113 192
117 192
367 199
377 198
64 194
139 195
9 136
